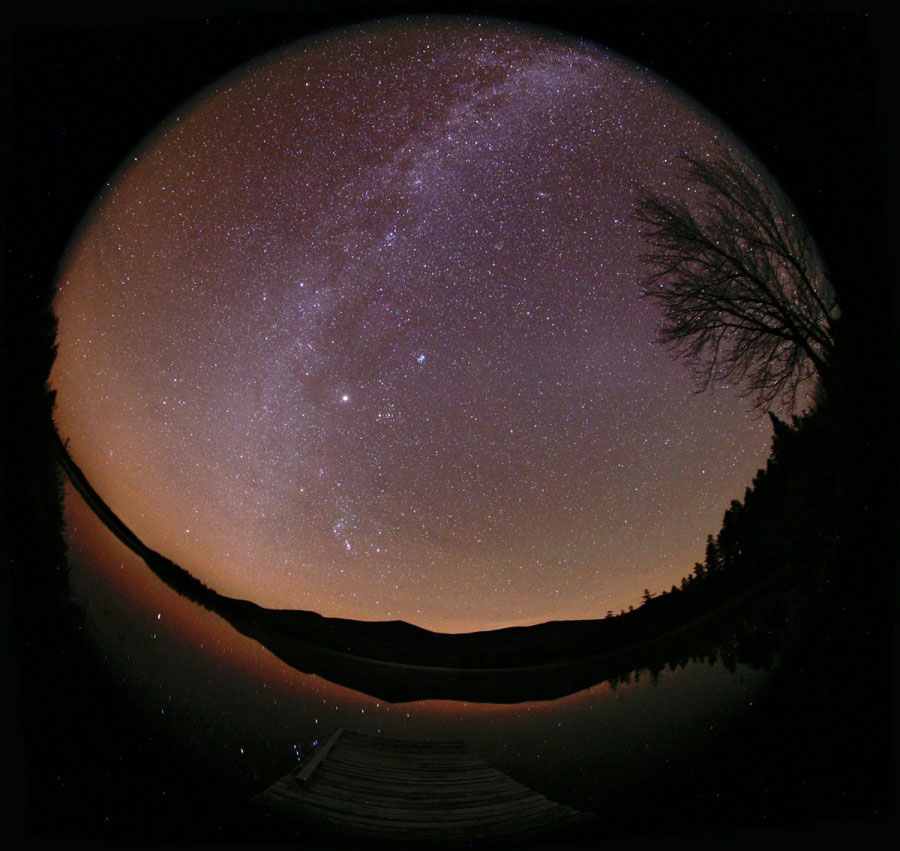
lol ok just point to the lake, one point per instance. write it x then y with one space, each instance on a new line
243 716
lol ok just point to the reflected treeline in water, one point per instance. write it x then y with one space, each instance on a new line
776 553
51 660
755 588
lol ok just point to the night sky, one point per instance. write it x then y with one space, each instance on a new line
358 331
160 407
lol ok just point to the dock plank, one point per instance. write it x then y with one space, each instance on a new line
424 798
444 803
398 790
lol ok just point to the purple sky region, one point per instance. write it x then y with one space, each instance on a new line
358 331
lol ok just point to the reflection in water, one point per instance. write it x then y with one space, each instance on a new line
243 714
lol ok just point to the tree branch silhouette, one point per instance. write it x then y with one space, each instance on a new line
745 297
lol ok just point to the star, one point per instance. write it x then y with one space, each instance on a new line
442 192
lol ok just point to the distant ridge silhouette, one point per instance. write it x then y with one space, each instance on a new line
397 661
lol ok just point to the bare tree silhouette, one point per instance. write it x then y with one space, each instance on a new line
745 297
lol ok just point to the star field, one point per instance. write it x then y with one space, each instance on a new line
358 331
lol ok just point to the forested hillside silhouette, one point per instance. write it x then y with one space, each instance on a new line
762 578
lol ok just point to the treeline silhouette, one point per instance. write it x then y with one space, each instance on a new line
397 661
731 608
788 525
803 526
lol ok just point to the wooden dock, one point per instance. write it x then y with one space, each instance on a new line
388 790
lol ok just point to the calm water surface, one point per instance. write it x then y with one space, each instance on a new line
241 713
